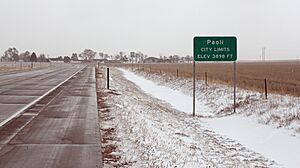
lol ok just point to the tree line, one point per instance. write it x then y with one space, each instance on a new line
136 57
12 54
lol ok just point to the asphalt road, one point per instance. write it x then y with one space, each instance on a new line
19 89
61 130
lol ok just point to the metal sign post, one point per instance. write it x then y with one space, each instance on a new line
194 88
234 86
215 48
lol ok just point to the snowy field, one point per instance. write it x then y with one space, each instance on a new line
154 127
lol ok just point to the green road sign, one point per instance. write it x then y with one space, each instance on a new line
213 48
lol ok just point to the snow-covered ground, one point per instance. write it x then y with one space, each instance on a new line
216 100
151 132
275 144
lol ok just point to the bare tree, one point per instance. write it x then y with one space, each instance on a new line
74 57
142 58
88 54
132 55
59 58
171 58
188 58
101 55
106 56
25 56
67 59
11 54
165 58
175 58
117 57
42 58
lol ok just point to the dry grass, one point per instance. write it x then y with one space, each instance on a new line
282 77
107 134
18 67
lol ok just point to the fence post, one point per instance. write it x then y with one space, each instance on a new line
266 89
150 68
206 83
107 78
177 73
160 71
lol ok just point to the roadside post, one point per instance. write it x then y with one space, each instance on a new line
266 89
234 87
206 83
107 76
194 88
215 49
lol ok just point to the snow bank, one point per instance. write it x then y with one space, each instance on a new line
176 98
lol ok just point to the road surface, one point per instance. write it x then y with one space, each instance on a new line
59 131
19 89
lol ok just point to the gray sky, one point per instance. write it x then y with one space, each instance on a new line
155 27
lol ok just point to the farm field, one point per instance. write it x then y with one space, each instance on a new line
282 77
17 66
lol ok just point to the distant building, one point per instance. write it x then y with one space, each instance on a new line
150 60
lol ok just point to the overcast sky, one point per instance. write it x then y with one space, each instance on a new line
154 27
